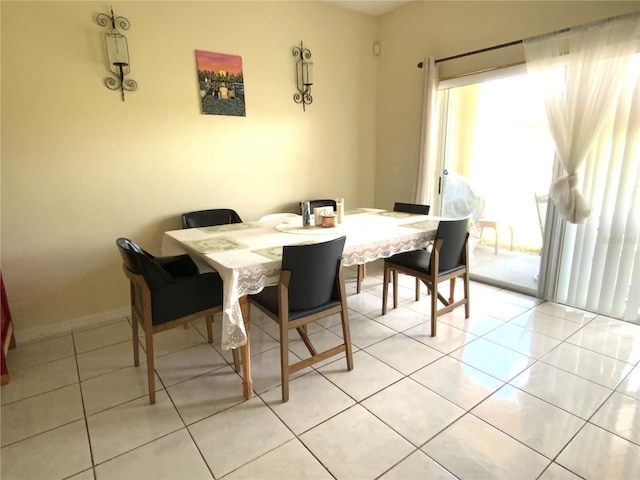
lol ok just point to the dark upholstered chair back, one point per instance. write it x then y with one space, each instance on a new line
454 235
411 208
208 218
314 270
130 252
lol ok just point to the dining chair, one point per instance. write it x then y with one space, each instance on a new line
542 201
416 208
166 292
207 218
447 260
323 203
311 288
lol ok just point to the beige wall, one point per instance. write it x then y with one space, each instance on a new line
440 29
81 168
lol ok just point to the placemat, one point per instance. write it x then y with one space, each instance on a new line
425 225
218 244
228 227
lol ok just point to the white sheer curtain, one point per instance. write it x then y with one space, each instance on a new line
599 263
428 137
580 73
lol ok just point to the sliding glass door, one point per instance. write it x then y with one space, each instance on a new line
497 162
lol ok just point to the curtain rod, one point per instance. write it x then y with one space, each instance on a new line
518 42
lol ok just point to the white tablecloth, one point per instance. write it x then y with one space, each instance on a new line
248 255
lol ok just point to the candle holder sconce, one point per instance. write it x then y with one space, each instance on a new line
304 75
117 53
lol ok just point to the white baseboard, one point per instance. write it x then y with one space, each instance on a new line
63 328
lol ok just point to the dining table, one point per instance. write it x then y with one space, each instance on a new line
248 256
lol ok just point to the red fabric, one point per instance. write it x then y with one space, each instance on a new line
6 320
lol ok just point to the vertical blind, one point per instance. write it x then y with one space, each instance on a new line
599 266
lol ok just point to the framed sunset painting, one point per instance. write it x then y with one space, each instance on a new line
221 83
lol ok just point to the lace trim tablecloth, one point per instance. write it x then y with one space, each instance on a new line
249 258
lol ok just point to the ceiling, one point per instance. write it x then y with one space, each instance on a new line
370 7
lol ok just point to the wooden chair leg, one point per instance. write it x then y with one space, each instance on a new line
209 322
360 276
346 336
434 307
467 307
150 370
136 346
452 288
395 288
284 361
236 359
417 289
385 288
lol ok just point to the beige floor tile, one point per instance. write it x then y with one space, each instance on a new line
172 457
401 318
115 388
596 454
369 375
364 303
130 425
238 435
588 364
574 394
546 324
616 327
321 340
90 339
457 382
412 410
176 339
525 341
620 414
40 352
188 363
610 344
403 353
447 338
85 475
53 455
518 414
39 379
500 310
631 385
355 444
265 369
581 317
312 399
471 448
417 465
106 359
291 461
365 332
477 323
556 472
498 361
261 341
38 414
207 394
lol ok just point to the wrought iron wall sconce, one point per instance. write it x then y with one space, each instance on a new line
117 53
304 75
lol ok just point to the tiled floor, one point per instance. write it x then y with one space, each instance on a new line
521 390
